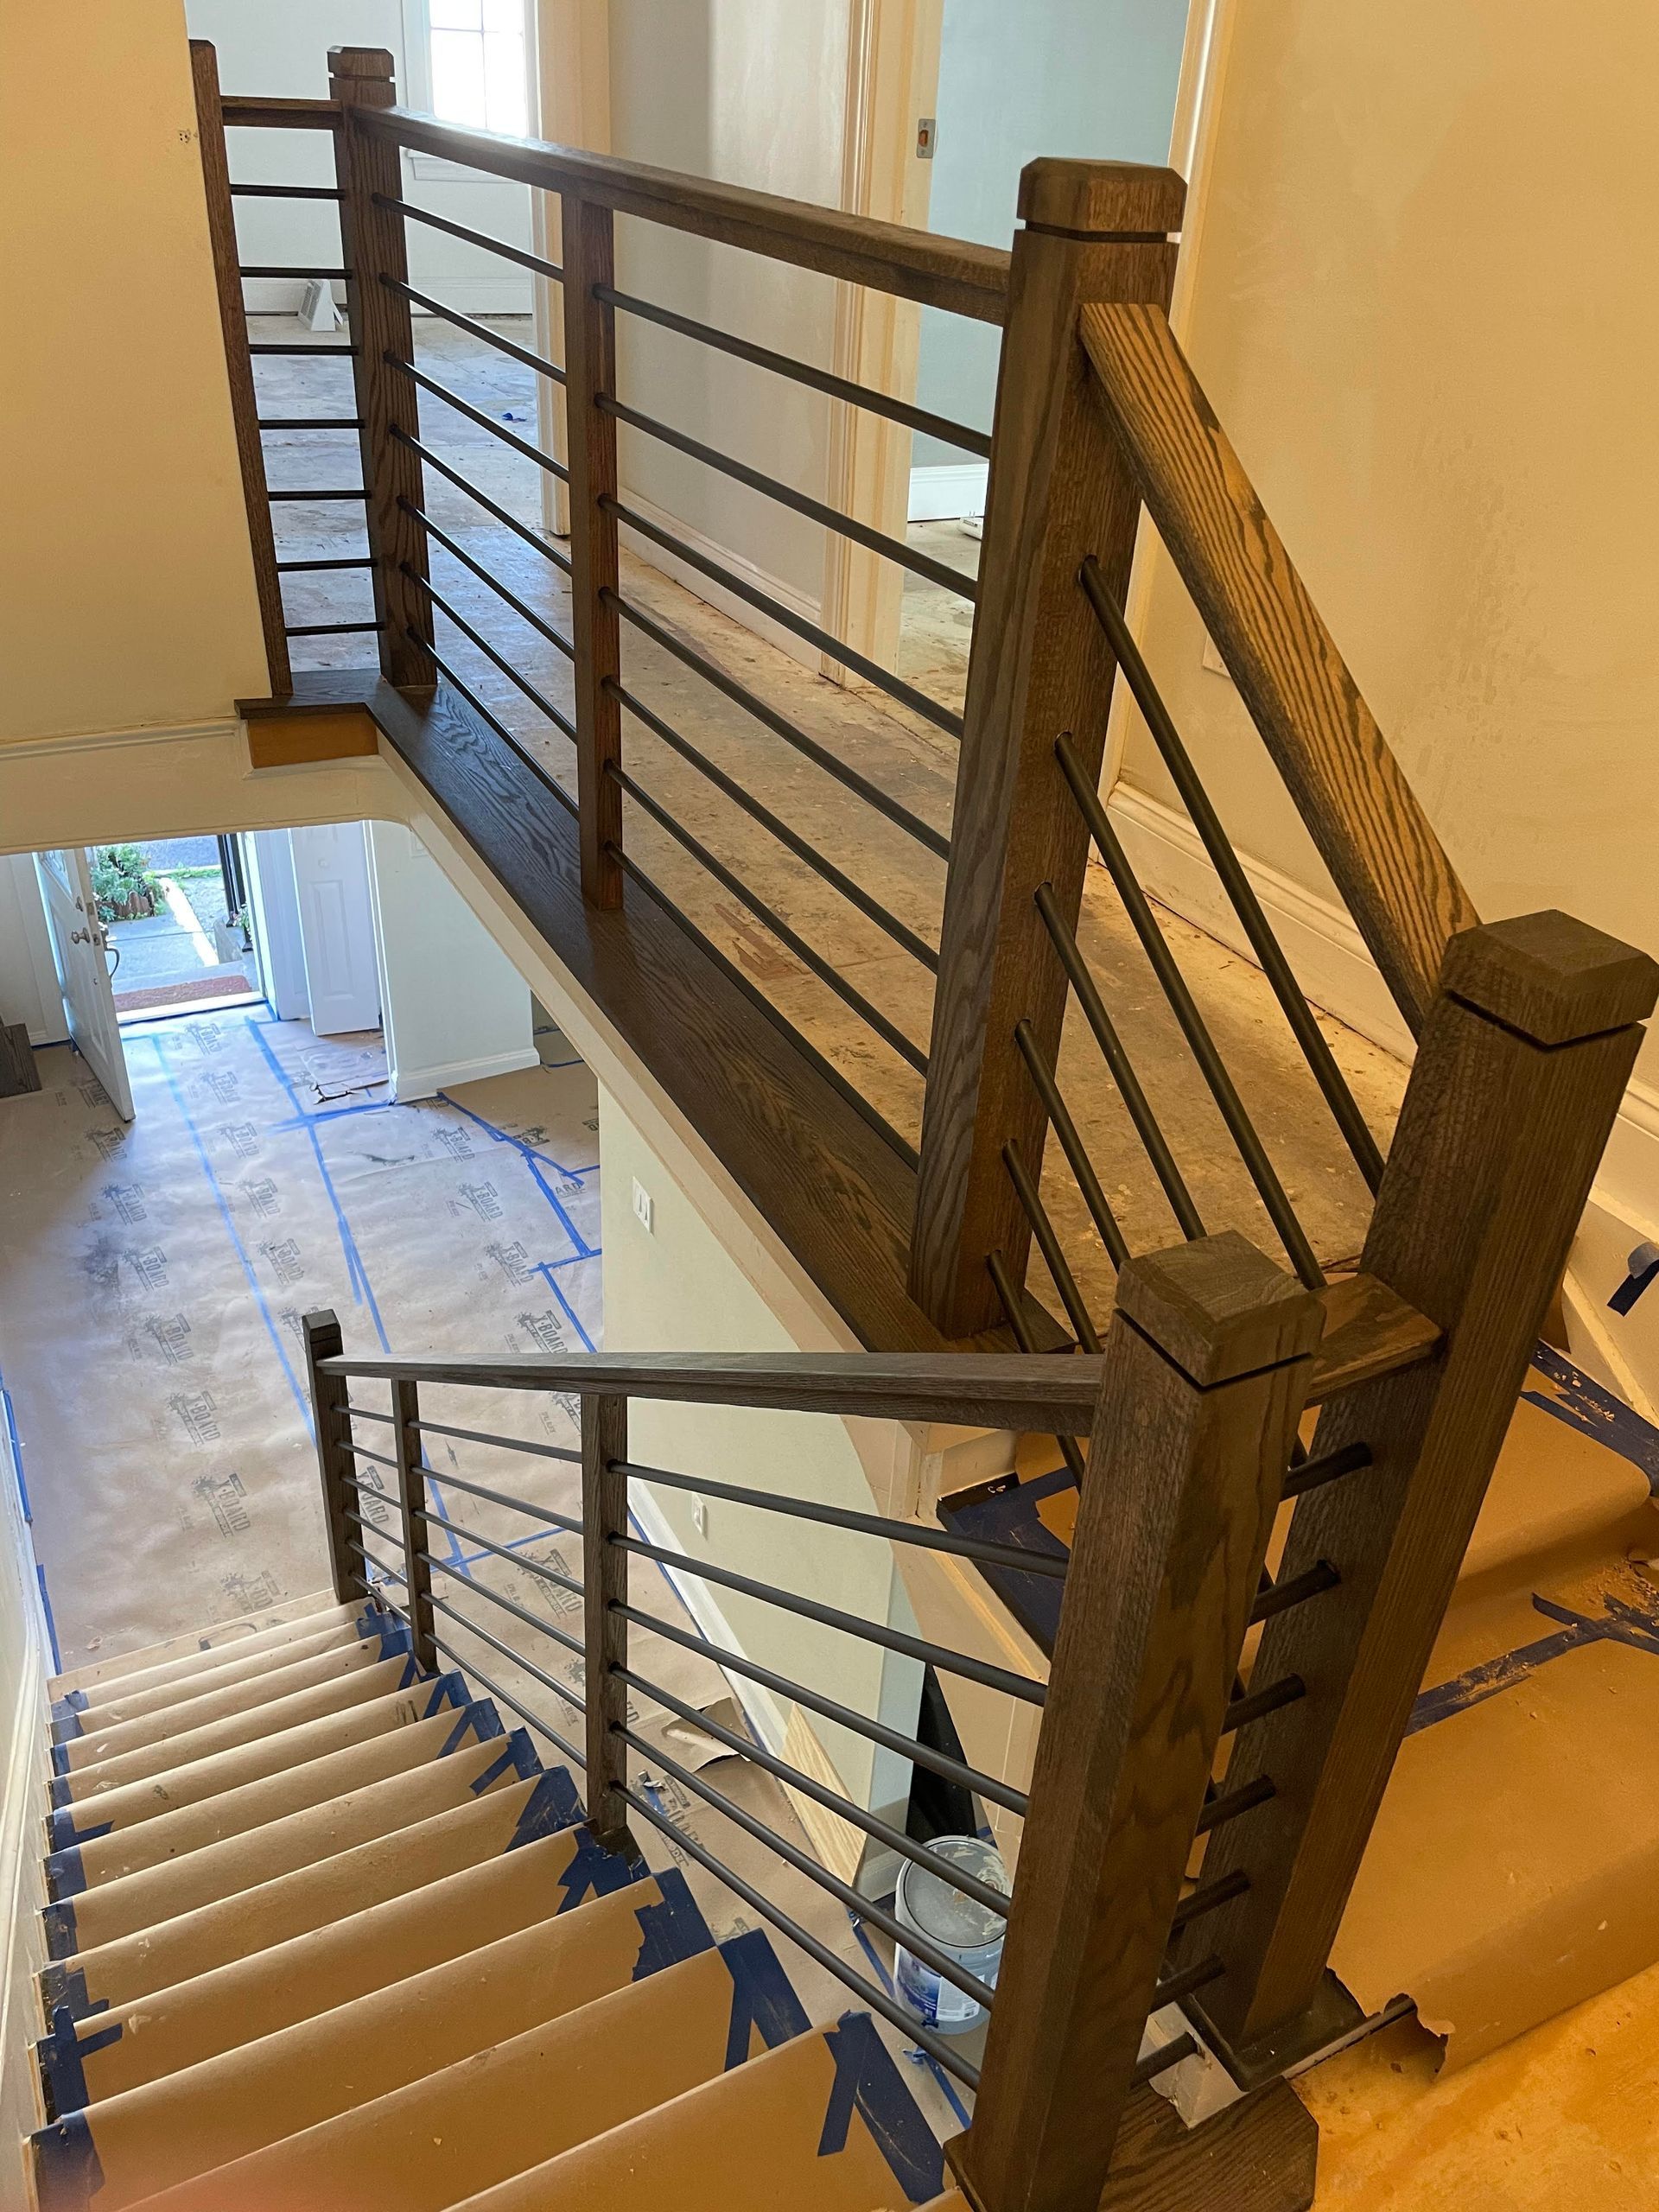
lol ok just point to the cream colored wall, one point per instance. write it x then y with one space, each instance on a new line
126 585
23 1670
1415 296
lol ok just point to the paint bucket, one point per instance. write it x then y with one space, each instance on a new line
968 1931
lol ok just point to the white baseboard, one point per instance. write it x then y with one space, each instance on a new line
946 493
426 1083
714 595
503 294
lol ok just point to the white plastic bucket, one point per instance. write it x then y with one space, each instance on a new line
968 1931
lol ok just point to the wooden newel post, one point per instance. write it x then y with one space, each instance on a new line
329 1400
589 251
1040 668
372 235
411 1503
1522 1065
605 1579
1208 1358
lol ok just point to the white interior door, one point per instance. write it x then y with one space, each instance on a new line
80 948
331 879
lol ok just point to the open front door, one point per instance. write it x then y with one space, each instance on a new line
81 951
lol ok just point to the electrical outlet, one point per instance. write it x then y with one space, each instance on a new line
700 1515
645 1212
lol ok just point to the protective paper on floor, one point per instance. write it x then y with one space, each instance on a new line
1514 1870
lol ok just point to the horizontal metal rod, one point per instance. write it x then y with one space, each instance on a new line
347 492
1118 1062
1155 2062
487 1543
1333 1085
1182 1983
854 894
310 422
1314 1474
543 1513
362 1452
1083 1168
800 503
303 353
875 1732
1319 1578
844 656
316 567
864 1524
891 1639
1219 1810
877 1999
329 629
781 725
1208 1897
530 1720
354 1412
1015 1311
799 1042
1193 1026
460 553
521 445
538 699
1048 1243
414 215
502 1443
536 1674
373 1559
949 1968
561 561
784 364
285 192
1259 1703
262 269
476 329
745 1747
530 1620
458 683
827 974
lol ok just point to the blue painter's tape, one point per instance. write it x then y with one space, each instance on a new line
59 1921
61 1759
396 1640
65 1875
1584 1405
51 1624
64 1988
592 1871
1622 1623
866 2081
519 1758
8 1414
1634 1284
61 1790
762 1997
69 2172
671 1929
69 1707
374 1620
63 2057
64 1836
479 1724
551 1805
447 1690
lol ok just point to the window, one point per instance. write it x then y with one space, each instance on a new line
474 56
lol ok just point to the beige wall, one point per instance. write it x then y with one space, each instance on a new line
1415 296
23 1666
126 585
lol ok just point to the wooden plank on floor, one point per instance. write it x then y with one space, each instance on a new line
18 1072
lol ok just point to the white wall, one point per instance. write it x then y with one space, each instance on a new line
283 50
453 1007
29 975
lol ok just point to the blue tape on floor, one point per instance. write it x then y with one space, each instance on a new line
671 1929
59 1921
552 1804
762 1997
63 2057
8 1414
519 1758
866 2081
69 2172
1621 1624
479 1723
534 1160
877 1967
1584 1405
51 1624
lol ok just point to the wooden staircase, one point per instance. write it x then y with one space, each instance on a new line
323 1933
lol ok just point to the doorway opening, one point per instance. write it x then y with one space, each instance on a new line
178 925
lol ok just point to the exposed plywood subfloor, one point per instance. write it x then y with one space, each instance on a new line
913 762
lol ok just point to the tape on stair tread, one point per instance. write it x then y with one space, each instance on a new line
670 1929
519 1757
68 2173
65 1986
62 2058
480 1720
866 2081
763 1997
552 1804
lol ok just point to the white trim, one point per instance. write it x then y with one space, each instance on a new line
714 595
949 492
426 1083
27 748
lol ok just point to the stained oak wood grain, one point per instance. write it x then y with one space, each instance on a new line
605 1584
590 248
211 115
1372 834
320 1334
411 1504
1498 1141
1039 666
1172 1530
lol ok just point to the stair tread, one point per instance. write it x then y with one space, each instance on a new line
219 1871
825 2123
449 1827
545 1868
197 1646
236 1664
149 2140
194 1808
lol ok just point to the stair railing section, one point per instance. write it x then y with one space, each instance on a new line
1191 1410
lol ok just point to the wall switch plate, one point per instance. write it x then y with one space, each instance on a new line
645 1212
927 137
700 1515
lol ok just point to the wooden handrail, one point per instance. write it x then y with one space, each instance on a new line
1371 832
254 111
952 273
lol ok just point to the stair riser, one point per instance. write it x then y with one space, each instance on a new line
183 1655
116 1705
